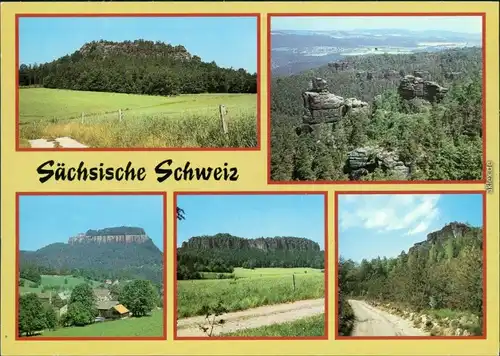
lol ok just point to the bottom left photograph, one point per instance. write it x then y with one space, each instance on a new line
90 265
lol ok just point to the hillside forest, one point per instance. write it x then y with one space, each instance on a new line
222 253
136 67
442 276
436 140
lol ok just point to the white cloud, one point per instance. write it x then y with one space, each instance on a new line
408 213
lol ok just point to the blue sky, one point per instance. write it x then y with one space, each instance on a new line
467 24
229 41
384 225
252 216
48 219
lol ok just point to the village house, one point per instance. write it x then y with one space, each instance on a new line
62 310
102 294
112 309
45 297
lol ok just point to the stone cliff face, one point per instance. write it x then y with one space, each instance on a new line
454 229
111 235
412 87
227 241
451 230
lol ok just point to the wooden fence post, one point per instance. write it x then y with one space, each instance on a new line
120 115
83 116
223 112
293 280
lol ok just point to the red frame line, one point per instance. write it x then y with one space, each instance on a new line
381 14
485 314
138 149
241 338
93 338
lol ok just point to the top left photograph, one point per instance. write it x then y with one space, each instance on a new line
137 82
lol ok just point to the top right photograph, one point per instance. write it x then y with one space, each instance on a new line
376 98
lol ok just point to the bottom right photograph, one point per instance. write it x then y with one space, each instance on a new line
410 265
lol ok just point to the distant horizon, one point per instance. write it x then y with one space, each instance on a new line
376 29
457 24
231 42
383 225
253 215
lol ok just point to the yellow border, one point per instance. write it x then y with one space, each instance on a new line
18 174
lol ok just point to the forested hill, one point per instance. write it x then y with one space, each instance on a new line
443 272
423 140
98 259
137 67
224 252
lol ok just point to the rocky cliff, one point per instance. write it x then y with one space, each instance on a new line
227 241
123 234
412 87
323 108
137 48
452 230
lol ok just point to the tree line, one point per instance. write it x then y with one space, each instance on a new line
140 297
446 273
136 67
439 141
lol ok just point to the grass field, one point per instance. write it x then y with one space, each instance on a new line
261 286
48 280
145 326
312 326
261 272
148 121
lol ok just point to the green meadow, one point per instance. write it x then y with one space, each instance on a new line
306 327
52 281
147 121
250 289
144 326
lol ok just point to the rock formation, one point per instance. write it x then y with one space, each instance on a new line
364 160
421 74
324 108
412 87
223 241
111 235
451 230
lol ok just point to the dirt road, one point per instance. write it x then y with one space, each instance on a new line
253 318
64 142
371 321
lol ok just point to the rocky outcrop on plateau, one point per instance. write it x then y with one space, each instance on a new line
227 241
412 87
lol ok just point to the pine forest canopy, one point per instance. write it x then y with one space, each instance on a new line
137 67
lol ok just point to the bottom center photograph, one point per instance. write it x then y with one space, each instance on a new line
251 265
